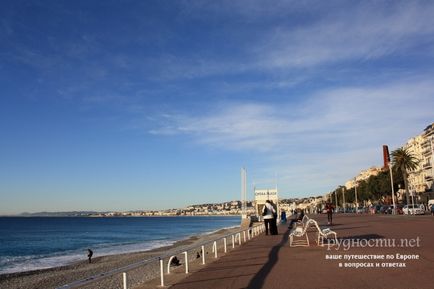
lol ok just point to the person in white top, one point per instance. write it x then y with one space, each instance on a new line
268 212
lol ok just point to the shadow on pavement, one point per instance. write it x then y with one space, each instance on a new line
258 280
363 237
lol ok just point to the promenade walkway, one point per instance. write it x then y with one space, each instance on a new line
268 261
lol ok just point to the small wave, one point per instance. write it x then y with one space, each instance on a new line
31 263
12 264
218 230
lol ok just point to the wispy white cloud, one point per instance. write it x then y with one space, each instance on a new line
362 32
336 33
338 130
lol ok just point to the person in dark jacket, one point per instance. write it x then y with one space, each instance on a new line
268 213
298 218
89 255
175 262
329 209
283 217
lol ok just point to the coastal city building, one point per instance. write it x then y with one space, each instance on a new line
362 176
309 205
428 157
416 177
420 180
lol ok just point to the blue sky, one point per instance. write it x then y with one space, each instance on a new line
124 105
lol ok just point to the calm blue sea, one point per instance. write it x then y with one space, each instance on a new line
38 242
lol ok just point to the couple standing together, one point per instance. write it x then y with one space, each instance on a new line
269 215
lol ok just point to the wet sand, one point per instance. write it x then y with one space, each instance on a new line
59 276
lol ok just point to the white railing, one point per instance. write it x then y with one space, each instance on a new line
127 280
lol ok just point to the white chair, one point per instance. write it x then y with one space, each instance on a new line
298 236
323 234
303 221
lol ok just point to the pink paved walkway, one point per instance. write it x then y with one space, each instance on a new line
268 261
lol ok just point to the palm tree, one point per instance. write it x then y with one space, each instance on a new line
404 161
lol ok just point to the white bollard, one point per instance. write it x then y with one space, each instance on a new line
161 273
203 255
225 244
239 239
186 262
233 241
214 249
244 236
125 280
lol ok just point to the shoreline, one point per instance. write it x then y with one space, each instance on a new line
17 258
61 275
120 216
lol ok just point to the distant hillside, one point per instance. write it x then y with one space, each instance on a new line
224 206
60 214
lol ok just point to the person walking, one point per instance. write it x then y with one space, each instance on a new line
329 209
283 217
273 225
89 255
268 212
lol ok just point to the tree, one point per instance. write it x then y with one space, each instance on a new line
404 161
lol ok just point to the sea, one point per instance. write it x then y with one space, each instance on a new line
31 243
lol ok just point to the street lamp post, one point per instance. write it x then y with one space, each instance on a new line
432 162
355 193
393 191
343 198
336 198
412 191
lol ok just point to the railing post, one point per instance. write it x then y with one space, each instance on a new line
225 244
186 262
125 280
161 273
203 255
233 241
248 234
239 239
214 248
244 236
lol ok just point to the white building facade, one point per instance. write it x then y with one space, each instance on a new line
262 195
420 180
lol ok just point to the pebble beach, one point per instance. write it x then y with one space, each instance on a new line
59 276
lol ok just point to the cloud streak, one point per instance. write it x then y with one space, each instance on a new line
338 129
360 33
363 32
